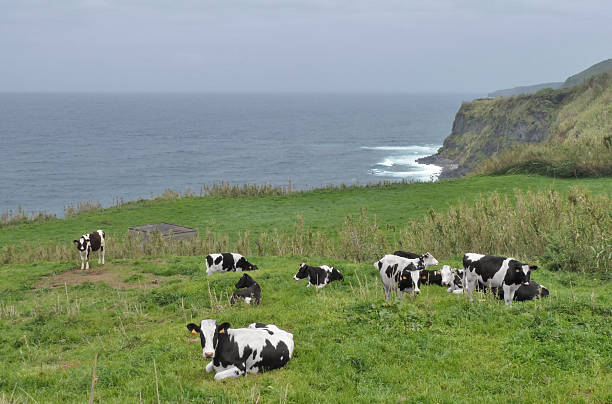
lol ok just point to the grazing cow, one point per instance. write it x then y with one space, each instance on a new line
318 276
236 351
440 277
495 272
400 273
227 262
525 292
428 259
251 291
91 242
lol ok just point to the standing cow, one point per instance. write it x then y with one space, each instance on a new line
236 351
91 242
428 259
495 272
401 273
318 276
227 262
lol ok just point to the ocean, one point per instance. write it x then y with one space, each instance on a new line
59 149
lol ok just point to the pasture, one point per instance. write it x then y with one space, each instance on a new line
350 344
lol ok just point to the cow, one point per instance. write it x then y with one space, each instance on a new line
456 286
525 292
442 277
238 351
400 273
251 291
428 259
495 272
227 262
91 242
318 276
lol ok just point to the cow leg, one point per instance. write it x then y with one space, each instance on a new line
87 259
508 294
82 259
101 255
387 290
210 367
232 371
470 283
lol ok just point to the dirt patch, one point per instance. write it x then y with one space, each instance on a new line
109 276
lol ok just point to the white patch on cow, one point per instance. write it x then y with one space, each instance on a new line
429 259
247 300
447 275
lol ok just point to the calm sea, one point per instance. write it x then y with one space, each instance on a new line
59 149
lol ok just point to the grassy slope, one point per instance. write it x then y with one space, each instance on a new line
323 210
350 344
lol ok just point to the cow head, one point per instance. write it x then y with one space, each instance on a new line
302 272
428 259
206 329
245 265
518 273
244 282
336 275
409 278
81 244
447 275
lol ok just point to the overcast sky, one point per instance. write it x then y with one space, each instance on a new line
297 45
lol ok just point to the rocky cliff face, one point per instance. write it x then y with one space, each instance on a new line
484 127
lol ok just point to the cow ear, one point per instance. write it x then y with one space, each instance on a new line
222 329
193 328
533 267
75 241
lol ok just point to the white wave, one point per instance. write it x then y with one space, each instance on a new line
427 149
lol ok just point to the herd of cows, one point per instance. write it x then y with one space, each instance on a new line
261 347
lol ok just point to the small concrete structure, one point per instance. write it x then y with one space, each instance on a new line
166 230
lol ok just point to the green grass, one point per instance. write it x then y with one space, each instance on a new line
350 345
322 210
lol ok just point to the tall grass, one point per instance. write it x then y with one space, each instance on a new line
20 216
572 232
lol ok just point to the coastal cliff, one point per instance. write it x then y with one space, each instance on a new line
578 117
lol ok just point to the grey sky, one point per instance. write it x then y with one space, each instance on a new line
297 45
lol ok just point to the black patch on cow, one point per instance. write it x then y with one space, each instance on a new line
260 325
389 271
514 273
191 327
380 264
335 275
316 275
406 254
95 241
220 258
228 262
209 260
271 356
245 265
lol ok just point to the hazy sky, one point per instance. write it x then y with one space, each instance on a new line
297 45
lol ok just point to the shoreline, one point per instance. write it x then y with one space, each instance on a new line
450 169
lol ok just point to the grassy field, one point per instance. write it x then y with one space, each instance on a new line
322 210
350 345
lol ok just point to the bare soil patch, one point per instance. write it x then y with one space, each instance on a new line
109 275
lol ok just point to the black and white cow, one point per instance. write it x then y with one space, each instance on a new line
532 290
456 285
318 276
428 259
91 242
236 351
442 277
251 291
495 272
399 273
227 262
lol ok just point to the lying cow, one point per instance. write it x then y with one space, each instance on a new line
442 277
400 273
495 272
227 262
91 242
250 290
428 259
236 351
532 290
456 285
318 276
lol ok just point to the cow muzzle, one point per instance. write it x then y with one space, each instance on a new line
209 354
526 283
